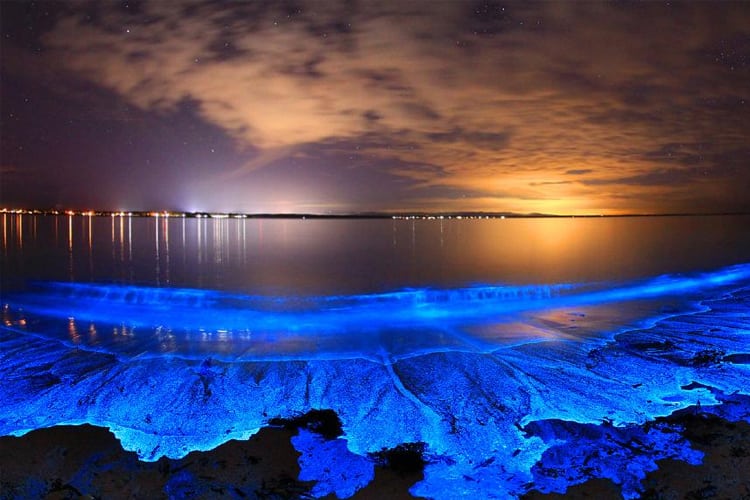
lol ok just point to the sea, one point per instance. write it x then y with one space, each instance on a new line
470 336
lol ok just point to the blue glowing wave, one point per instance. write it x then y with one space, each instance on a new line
491 421
191 322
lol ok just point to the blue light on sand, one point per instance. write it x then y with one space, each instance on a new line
334 468
502 383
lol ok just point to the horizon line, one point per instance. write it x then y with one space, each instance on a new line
476 214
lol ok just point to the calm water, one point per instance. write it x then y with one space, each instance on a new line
311 257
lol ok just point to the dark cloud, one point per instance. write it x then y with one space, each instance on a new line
484 140
639 95
549 183
419 111
681 154
659 177
372 115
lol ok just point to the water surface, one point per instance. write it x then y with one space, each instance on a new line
328 257
252 289
485 340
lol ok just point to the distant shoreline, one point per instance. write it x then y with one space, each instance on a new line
363 215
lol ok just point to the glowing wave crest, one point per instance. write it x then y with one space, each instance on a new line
133 320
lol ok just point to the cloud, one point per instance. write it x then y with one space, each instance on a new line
549 183
661 177
503 99
479 139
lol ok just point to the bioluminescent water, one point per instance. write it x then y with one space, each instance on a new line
543 380
142 321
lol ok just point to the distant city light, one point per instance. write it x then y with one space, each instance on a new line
225 215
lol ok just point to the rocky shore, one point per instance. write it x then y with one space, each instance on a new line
70 462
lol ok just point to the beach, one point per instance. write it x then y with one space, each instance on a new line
651 439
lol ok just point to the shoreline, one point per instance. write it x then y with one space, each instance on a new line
695 348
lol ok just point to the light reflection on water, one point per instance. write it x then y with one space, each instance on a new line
314 257
341 270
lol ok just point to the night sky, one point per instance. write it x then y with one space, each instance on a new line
339 107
